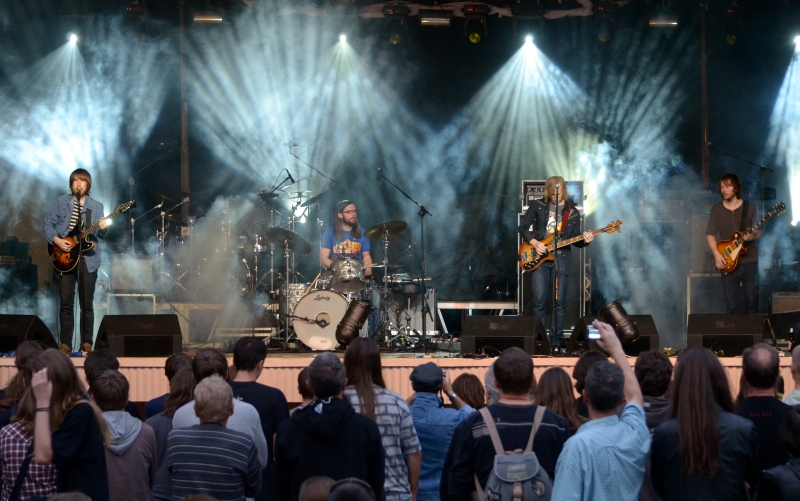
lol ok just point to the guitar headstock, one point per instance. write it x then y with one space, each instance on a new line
778 208
123 208
612 227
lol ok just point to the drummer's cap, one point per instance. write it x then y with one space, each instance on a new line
426 378
341 205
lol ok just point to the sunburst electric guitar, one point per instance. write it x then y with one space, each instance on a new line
529 259
734 248
66 261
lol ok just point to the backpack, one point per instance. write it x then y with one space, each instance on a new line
516 475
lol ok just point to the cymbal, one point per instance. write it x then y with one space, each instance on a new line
316 198
390 266
392 227
264 194
285 238
297 194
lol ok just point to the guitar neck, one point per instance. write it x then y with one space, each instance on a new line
91 229
570 241
759 224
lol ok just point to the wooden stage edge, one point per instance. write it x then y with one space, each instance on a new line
147 380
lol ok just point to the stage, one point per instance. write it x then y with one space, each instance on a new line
147 380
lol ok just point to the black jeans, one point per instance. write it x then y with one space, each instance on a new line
741 289
66 289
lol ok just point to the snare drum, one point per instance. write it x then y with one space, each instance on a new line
348 275
317 316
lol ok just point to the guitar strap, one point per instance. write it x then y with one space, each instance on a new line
745 207
565 216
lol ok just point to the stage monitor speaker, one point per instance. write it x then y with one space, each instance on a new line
648 336
500 332
784 302
14 329
140 335
726 335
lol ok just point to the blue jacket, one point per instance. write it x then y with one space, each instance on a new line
435 426
57 222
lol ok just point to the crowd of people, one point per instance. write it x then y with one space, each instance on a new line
653 431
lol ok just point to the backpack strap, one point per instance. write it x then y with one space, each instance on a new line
492 429
537 420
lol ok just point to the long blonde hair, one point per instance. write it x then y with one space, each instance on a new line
68 391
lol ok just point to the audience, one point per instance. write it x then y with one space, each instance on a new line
492 393
209 458
174 363
470 389
328 437
434 423
793 398
782 483
244 418
181 390
472 449
315 488
68 429
555 392
249 355
760 369
351 489
653 370
96 363
71 496
302 387
16 386
131 457
367 393
606 457
704 451
582 366
16 445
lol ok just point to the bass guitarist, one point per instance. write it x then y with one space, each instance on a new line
538 222
65 219
730 215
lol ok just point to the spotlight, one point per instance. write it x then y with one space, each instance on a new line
342 38
797 42
474 37
73 38
616 316
136 7
605 19
435 17
475 12
207 17
396 21
732 25
528 39
794 223
395 38
663 17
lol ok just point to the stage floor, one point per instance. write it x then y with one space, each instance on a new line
147 380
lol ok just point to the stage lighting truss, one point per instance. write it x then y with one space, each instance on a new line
528 11
435 17
475 12
396 22
137 7
733 24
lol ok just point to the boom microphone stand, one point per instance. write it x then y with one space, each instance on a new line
422 212
553 320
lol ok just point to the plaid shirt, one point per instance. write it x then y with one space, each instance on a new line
41 478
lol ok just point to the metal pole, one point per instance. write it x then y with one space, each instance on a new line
704 99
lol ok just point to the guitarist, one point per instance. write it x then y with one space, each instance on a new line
730 215
541 219
65 219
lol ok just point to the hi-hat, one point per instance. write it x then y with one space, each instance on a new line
386 227
287 239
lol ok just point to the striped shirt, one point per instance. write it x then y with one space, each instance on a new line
213 460
76 214
398 435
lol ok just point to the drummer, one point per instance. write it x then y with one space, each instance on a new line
345 239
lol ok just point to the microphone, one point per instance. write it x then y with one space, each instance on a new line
321 322
378 178
290 176
78 192
185 200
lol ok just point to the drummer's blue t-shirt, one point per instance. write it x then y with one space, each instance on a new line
349 247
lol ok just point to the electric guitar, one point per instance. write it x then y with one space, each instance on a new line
529 259
734 248
66 261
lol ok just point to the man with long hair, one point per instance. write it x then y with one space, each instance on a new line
728 216
345 239
543 218
64 219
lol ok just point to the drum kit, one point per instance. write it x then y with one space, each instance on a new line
332 309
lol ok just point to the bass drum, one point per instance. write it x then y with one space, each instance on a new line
323 310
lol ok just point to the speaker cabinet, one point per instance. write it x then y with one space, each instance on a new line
140 335
14 329
784 302
648 336
496 333
728 335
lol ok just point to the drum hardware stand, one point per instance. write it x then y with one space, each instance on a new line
162 239
422 213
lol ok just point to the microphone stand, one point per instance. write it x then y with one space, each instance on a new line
422 212
133 222
291 152
553 320
162 239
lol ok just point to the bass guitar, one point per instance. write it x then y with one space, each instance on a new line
529 259
734 248
66 261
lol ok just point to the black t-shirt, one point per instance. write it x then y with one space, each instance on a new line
272 410
766 413
723 222
79 454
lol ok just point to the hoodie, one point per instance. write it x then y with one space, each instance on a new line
328 437
131 458
124 429
656 411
